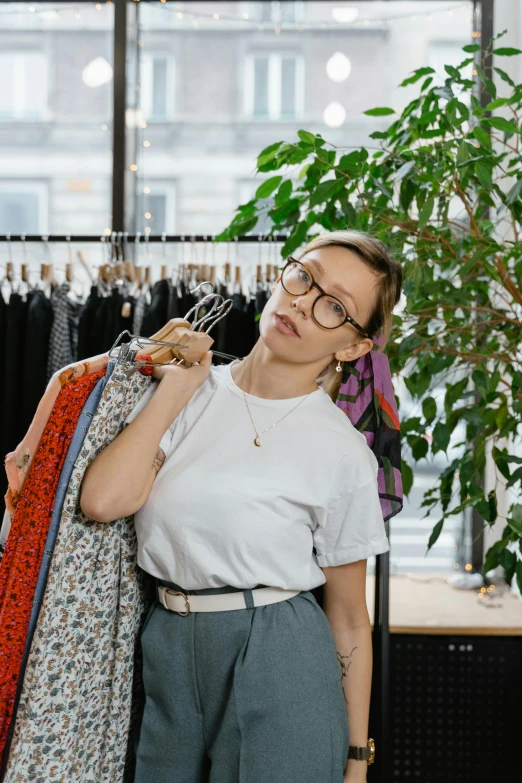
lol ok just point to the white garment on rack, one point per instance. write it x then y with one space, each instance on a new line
225 512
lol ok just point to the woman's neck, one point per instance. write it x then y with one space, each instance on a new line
272 379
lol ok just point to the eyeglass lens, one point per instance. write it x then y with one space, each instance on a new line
328 311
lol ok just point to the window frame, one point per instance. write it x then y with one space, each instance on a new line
275 85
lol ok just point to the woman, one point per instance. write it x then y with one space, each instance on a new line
250 487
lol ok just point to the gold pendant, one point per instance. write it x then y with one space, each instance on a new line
256 441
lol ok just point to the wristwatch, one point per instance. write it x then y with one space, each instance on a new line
363 753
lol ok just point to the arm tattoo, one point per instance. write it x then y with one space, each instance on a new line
158 461
344 667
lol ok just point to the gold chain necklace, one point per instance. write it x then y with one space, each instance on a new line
256 439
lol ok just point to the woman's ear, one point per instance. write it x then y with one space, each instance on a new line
356 350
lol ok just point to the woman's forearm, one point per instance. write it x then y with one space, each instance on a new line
117 479
354 653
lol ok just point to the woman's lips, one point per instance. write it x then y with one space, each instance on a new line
283 328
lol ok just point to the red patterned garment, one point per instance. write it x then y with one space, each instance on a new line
20 564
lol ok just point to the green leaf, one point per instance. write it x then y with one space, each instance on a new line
418 74
326 191
500 123
505 77
482 136
508 560
471 48
296 238
429 408
506 51
426 211
268 187
463 153
403 171
514 192
381 111
441 437
307 137
435 533
493 554
515 521
484 175
496 104
283 194
419 447
518 570
268 154
351 163
407 477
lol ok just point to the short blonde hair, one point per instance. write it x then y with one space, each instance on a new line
378 257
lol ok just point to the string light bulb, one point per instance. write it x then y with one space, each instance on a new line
146 143
215 16
143 124
148 215
133 167
146 190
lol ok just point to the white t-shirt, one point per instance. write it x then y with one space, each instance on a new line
223 511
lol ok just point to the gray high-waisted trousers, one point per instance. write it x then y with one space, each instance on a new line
248 695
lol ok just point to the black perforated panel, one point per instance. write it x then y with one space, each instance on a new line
456 709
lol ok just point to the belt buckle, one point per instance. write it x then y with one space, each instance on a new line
177 592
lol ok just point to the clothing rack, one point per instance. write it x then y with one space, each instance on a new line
137 238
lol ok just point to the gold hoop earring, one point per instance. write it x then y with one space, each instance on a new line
339 366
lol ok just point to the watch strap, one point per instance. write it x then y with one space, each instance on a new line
361 753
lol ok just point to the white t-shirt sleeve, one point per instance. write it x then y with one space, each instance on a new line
353 525
166 439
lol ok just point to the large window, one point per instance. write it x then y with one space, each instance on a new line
24 85
274 86
56 117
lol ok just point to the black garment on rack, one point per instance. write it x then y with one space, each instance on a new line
88 341
36 352
156 315
73 317
173 308
3 327
12 430
262 296
219 331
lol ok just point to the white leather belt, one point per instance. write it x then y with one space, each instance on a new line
220 602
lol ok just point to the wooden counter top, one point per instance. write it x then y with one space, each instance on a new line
420 606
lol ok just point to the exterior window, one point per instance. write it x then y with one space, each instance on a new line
23 208
157 87
160 204
275 11
274 86
23 86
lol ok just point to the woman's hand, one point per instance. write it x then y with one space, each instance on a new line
183 377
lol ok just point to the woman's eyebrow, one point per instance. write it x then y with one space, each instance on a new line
337 286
